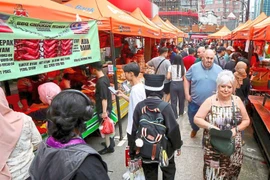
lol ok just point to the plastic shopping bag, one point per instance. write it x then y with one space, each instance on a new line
107 126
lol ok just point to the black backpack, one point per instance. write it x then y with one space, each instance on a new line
152 132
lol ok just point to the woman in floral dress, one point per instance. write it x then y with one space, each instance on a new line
217 112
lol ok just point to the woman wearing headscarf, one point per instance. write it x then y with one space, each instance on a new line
46 92
242 81
18 138
222 111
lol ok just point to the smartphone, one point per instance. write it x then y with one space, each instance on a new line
112 90
125 86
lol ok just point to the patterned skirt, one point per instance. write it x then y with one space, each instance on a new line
221 167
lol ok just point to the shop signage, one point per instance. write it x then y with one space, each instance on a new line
30 46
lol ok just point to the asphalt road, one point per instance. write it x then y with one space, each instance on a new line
190 164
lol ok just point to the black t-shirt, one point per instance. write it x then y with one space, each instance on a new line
102 92
244 89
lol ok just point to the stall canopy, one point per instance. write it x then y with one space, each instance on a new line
179 32
244 31
45 10
160 23
221 33
138 14
261 31
229 36
120 21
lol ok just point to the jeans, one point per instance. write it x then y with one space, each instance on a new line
192 110
177 95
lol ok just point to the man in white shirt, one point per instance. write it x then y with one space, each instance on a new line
137 93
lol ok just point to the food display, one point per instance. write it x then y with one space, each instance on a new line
33 49
120 73
27 49
149 70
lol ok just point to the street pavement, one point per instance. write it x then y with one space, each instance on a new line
190 164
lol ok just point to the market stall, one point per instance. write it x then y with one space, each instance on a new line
138 14
243 32
160 23
121 23
32 46
150 43
180 33
261 31
229 36
260 34
224 31
260 112
51 11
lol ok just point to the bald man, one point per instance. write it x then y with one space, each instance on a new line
199 84
200 54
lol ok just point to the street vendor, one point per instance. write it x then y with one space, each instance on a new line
27 88
65 83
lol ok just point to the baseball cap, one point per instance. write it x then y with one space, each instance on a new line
230 48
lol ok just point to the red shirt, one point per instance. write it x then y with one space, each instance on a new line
188 61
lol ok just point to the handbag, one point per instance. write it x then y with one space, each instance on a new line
222 140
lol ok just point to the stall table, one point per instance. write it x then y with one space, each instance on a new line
261 124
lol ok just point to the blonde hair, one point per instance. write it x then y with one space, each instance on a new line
225 77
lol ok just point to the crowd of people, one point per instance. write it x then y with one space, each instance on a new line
213 81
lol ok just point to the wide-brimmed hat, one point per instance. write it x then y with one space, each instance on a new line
154 82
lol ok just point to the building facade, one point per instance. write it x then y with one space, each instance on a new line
261 6
222 9
181 13
266 7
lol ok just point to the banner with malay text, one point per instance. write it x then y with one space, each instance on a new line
30 46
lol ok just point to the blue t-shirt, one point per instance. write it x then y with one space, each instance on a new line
202 81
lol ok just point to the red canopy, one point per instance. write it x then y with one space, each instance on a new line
45 10
160 23
119 21
138 14
244 31
261 31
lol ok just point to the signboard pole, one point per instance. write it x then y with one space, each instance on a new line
116 86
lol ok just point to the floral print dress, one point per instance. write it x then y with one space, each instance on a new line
218 166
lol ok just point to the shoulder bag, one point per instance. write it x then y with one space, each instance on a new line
222 140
